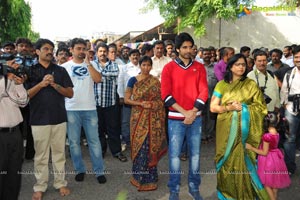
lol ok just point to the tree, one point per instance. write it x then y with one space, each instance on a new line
195 12
295 3
15 20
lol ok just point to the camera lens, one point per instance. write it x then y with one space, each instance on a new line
18 60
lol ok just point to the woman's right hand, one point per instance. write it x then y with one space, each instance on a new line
146 104
248 146
234 105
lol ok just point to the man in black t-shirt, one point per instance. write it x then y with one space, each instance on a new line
48 85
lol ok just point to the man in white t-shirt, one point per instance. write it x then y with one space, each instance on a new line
81 111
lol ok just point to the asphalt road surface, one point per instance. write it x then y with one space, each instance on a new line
118 186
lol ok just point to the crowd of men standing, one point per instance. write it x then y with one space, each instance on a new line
81 88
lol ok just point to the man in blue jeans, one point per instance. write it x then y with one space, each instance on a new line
81 111
290 98
184 90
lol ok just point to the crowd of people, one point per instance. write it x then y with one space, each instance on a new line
169 96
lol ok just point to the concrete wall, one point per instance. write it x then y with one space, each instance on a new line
255 30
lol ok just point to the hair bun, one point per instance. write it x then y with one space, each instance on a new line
271 119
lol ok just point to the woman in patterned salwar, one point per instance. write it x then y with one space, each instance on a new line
241 109
147 126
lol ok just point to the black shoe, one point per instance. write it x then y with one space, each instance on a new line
121 157
101 179
29 155
79 177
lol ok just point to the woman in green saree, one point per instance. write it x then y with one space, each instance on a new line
147 126
241 109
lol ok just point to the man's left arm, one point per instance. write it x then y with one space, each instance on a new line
66 87
65 91
203 91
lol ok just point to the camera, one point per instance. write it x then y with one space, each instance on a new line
292 97
296 102
25 62
266 97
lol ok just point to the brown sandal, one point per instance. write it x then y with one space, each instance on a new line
183 157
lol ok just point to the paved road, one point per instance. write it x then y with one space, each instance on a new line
118 181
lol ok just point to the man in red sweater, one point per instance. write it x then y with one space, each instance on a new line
184 90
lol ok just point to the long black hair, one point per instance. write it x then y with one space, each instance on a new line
228 73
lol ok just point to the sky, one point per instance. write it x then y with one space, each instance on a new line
82 18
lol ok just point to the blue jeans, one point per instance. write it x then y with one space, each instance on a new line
177 131
125 126
89 121
290 143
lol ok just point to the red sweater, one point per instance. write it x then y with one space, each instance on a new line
184 85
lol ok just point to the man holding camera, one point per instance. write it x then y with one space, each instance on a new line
23 46
290 99
12 96
265 81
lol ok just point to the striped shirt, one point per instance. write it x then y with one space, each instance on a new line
106 90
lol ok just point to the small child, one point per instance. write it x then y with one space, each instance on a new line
271 169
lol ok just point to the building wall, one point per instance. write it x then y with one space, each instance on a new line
256 30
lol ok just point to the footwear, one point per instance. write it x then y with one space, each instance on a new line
79 177
29 156
37 195
174 196
123 147
84 142
196 195
183 157
121 157
67 142
204 140
101 179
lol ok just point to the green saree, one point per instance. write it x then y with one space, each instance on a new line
236 166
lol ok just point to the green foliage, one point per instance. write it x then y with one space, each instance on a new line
289 2
15 20
194 13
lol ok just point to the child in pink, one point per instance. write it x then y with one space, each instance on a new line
271 167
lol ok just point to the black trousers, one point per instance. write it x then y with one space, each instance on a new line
26 130
108 125
11 148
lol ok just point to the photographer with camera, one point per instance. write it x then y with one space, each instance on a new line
265 81
12 96
290 98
